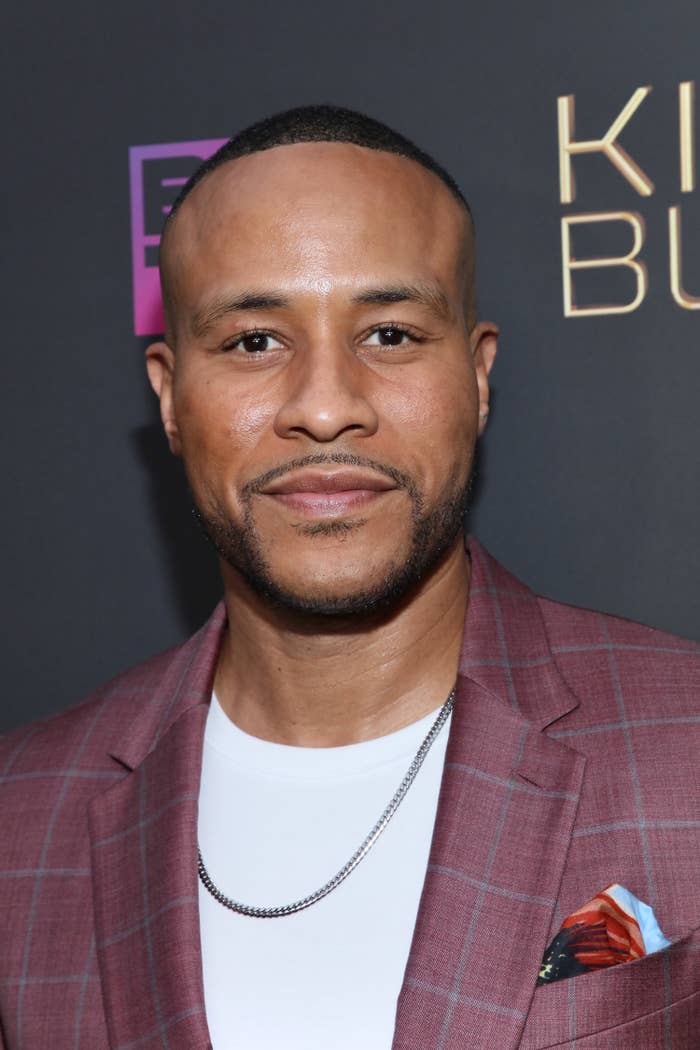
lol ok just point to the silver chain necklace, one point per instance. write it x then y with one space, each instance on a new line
359 854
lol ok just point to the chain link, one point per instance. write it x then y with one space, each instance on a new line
360 853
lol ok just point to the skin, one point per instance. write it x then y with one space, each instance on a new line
318 225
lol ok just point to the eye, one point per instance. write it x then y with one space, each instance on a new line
254 343
390 335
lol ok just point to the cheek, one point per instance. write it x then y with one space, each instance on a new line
436 422
219 419
220 432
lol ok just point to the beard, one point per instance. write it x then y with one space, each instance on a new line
433 533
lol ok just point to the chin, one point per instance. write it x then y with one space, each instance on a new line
329 605
348 589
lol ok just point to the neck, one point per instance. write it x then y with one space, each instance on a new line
287 679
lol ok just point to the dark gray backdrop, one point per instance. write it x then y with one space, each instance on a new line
588 479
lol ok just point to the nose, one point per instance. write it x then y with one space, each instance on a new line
329 395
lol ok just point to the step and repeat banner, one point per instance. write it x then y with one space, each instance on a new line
572 129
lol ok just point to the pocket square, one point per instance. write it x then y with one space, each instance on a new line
613 927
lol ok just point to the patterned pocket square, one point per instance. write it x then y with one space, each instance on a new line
611 928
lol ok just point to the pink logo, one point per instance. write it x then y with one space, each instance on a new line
156 176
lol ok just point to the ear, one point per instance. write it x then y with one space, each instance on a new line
484 343
160 365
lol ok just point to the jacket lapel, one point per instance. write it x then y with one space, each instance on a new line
505 817
144 861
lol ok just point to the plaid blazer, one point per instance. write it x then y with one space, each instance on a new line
573 761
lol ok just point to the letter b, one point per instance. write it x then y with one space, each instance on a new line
569 263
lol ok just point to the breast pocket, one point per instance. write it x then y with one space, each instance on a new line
651 1003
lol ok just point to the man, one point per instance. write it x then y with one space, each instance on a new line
355 808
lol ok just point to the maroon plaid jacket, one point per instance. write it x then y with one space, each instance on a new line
573 761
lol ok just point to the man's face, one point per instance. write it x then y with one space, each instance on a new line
320 380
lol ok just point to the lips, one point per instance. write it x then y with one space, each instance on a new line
328 493
329 482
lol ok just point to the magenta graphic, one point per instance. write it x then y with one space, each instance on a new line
156 176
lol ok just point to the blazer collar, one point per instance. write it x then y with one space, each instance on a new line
505 817
170 684
506 649
143 838
506 812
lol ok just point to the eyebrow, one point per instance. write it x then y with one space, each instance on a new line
429 295
220 307
423 293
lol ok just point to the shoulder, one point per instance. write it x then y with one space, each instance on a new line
137 702
603 659
603 655
51 770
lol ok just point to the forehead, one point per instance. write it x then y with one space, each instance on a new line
327 213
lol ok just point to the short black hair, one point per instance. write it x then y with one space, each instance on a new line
320 124
317 124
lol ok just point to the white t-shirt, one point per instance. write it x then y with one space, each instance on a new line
275 823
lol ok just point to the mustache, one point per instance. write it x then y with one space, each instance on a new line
399 477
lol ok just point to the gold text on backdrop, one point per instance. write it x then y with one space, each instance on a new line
642 184
630 260
607 145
